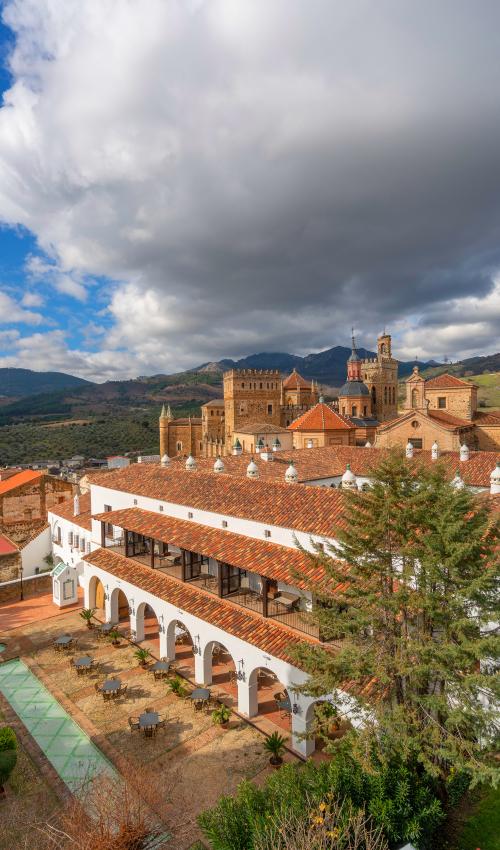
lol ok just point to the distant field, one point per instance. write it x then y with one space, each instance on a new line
489 387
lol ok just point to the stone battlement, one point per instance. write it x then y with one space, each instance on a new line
252 373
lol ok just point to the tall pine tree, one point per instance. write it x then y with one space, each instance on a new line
412 618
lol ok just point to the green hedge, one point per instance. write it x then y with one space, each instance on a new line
398 797
8 753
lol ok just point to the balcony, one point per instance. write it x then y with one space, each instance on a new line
238 586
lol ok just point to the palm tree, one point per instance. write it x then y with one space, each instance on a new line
87 615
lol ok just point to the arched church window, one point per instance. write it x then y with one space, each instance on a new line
414 398
374 395
385 395
354 411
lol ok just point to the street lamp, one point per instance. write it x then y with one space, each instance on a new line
21 576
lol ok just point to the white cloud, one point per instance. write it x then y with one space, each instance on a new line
256 176
11 312
32 299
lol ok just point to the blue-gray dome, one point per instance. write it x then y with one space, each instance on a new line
354 388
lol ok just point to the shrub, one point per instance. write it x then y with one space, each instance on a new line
8 759
221 715
398 798
8 740
176 686
275 746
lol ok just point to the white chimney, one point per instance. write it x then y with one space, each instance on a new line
368 445
191 463
495 480
237 450
266 454
435 451
349 481
291 475
309 444
165 461
464 452
252 470
76 505
219 465
458 482
409 449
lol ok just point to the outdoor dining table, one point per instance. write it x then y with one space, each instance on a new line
148 721
161 667
111 686
83 663
199 695
106 627
63 640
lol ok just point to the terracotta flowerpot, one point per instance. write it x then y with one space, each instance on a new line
276 761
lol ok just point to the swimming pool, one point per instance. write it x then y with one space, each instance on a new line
67 747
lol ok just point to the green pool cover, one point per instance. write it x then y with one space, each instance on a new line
66 746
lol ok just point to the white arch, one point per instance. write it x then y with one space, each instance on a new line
206 660
114 612
137 620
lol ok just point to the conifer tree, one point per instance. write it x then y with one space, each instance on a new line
411 623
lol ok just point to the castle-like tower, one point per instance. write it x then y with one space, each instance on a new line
354 397
380 374
251 396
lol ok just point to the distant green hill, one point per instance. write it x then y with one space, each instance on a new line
15 383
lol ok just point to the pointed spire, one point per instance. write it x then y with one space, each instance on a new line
163 414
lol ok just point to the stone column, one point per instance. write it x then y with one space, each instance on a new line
137 626
203 668
304 746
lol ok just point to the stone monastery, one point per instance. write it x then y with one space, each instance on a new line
202 556
262 410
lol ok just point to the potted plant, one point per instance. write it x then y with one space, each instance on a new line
176 686
87 615
275 745
221 716
114 636
142 656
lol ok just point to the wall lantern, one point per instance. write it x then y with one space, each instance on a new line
162 624
196 646
240 675
131 609
295 708
106 595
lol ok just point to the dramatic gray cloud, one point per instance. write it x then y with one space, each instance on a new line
257 175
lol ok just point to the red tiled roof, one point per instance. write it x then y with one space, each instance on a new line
321 417
24 477
331 461
313 510
281 563
487 417
65 511
34 533
7 546
445 382
240 622
447 420
295 382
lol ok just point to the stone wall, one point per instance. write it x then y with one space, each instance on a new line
9 566
461 402
31 587
488 437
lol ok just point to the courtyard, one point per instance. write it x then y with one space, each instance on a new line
190 762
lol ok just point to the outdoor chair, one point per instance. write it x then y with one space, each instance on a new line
162 724
71 661
160 674
122 690
94 667
133 723
97 688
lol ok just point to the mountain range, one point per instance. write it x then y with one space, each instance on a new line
36 396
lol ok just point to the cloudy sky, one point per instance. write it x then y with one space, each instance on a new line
182 180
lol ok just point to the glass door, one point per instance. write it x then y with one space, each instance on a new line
230 579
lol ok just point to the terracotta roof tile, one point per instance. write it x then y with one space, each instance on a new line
296 381
281 563
7 546
24 477
309 509
449 421
446 381
321 417
240 622
34 533
65 511
487 417
330 461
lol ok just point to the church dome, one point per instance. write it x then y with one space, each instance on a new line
252 470
291 475
354 389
